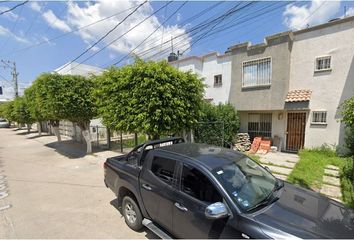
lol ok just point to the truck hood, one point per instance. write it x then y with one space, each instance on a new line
306 214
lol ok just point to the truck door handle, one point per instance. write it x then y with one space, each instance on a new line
147 187
181 207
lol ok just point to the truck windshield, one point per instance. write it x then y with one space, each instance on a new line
246 182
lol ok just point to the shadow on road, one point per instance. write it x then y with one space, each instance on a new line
37 136
148 233
26 133
71 148
68 148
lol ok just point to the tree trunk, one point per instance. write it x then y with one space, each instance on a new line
55 125
39 128
85 128
353 169
28 128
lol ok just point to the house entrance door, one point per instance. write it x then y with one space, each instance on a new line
295 137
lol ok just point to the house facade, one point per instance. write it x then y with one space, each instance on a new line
322 61
215 70
290 87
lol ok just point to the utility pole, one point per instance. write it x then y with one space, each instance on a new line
14 74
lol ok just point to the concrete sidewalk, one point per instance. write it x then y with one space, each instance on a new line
54 196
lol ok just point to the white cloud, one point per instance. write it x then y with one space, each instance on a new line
81 15
9 15
55 22
317 12
349 12
6 32
35 6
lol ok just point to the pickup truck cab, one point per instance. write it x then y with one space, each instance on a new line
189 190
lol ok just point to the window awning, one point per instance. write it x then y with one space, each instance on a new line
302 95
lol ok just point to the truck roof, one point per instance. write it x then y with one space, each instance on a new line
209 155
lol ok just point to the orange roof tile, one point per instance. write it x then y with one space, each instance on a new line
298 95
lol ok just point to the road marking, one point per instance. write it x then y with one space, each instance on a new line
3 195
5 207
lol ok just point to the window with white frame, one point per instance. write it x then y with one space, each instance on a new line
217 80
257 72
319 117
323 63
1 90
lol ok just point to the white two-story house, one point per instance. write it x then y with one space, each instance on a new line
289 88
215 70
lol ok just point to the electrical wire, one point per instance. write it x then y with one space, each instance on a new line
68 33
103 37
14 7
182 24
127 55
116 39
223 28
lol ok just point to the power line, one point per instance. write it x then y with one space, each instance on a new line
184 3
228 26
67 33
222 19
14 7
313 13
185 22
103 37
116 39
13 28
199 28
202 25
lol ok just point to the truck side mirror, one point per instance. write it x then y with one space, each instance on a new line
216 211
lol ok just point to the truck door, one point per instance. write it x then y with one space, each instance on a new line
157 184
194 194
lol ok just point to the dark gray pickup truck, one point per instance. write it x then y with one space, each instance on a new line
188 190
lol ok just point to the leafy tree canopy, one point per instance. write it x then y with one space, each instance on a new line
50 96
218 124
21 113
33 102
6 111
77 99
149 97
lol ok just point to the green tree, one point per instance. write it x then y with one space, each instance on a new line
149 97
7 112
50 100
218 124
348 119
21 113
33 105
78 103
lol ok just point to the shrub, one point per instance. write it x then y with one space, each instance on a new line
217 124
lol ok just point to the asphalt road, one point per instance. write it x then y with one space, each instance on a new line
45 194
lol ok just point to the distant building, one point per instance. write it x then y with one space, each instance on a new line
75 68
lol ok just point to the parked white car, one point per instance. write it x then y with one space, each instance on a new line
4 123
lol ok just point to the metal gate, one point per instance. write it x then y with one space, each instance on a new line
295 137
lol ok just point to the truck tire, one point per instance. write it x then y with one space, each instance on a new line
132 214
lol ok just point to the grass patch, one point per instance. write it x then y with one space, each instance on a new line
308 172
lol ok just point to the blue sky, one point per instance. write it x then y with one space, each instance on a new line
38 22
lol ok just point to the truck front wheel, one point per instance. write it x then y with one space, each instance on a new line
132 214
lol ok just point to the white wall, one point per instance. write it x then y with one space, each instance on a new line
329 89
207 67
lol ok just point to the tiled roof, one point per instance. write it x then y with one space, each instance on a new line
298 95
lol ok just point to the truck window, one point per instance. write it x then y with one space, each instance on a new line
197 185
163 168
